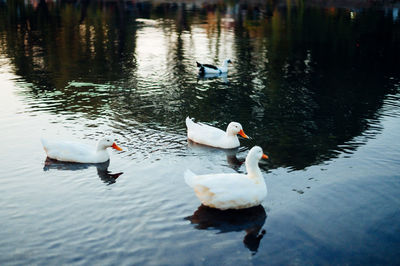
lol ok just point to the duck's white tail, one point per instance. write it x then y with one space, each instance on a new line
189 177
44 143
189 122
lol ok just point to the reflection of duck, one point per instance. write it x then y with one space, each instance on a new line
215 137
211 69
102 169
222 76
231 191
231 158
68 151
234 162
250 220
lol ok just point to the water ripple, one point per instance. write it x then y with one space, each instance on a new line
325 109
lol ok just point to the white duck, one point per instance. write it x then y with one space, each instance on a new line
215 137
68 151
231 191
211 69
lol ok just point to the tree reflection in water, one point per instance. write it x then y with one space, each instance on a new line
307 81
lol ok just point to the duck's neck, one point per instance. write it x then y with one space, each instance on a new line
225 64
100 148
230 134
253 170
231 140
102 154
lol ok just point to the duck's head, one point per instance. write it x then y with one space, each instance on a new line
228 61
256 153
107 142
235 128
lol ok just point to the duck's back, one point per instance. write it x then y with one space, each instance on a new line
68 151
227 191
204 134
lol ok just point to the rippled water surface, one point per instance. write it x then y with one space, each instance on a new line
316 86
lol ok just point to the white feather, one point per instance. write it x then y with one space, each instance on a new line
189 178
231 191
69 151
212 136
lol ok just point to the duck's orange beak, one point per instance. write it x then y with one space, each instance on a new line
241 133
264 156
115 146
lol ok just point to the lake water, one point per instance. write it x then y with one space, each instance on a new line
316 86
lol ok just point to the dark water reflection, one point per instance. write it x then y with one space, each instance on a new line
102 169
306 80
250 220
231 154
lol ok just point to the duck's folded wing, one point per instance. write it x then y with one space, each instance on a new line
226 190
67 151
223 185
210 66
203 131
